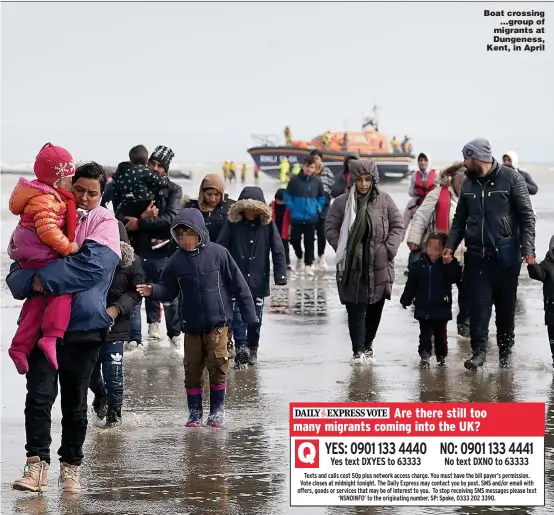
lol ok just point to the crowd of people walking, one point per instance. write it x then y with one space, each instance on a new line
83 271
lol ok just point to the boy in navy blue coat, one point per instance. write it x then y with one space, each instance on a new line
430 284
206 278
251 235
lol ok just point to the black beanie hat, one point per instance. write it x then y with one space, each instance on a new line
279 195
162 155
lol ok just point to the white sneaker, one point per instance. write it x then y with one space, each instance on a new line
176 343
358 358
299 265
154 331
134 346
310 272
322 263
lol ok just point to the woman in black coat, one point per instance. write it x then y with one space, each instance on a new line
107 378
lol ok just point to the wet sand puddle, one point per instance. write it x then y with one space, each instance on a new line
153 465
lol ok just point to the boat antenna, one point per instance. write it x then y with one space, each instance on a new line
371 121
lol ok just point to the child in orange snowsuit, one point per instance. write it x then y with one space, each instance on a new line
46 207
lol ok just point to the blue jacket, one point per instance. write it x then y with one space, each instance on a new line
87 275
205 279
305 198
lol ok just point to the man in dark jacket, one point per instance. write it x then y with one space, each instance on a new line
495 218
341 181
305 199
107 377
206 278
150 236
250 235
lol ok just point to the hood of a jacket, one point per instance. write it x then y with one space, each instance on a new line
363 167
514 157
426 155
127 254
25 190
194 219
448 174
250 197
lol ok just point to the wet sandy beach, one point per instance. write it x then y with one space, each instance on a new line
153 465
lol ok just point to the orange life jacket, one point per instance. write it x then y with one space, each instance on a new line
421 189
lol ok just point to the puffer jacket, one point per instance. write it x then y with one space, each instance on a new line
544 272
123 293
500 197
205 279
430 284
41 209
424 219
387 231
305 198
250 242
87 275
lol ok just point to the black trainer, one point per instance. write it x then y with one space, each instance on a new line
242 357
113 418
425 360
504 357
441 361
253 360
463 331
100 404
477 360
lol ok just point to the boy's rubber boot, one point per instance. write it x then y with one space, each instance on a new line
217 400
194 401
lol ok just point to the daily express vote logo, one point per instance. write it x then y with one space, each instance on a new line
306 454
341 413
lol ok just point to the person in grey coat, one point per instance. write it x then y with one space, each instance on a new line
365 228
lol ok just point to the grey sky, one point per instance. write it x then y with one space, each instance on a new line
99 78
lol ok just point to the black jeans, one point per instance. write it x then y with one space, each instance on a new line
489 284
321 241
247 335
287 251
306 229
153 268
437 329
108 373
76 362
464 298
363 323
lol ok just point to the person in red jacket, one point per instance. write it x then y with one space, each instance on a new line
281 217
